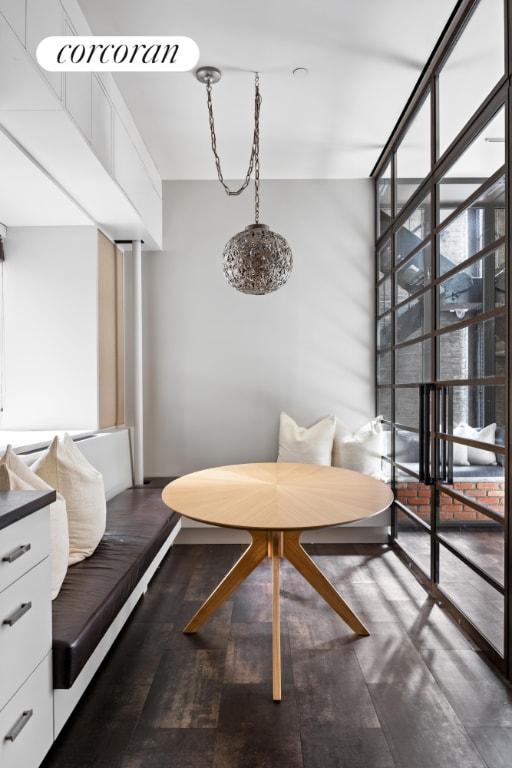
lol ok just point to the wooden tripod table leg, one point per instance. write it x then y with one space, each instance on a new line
299 558
255 553
276 617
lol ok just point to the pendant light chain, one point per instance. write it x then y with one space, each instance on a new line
254 162
255 260
256 148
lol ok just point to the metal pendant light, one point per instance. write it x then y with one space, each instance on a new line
256 260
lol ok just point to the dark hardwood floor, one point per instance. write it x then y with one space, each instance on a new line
415 694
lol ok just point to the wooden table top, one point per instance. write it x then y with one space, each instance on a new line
277 496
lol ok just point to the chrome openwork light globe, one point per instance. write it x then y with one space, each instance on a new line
256 260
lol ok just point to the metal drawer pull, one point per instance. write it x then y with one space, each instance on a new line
16 616
17 729
22 550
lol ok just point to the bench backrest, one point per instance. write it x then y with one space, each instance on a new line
109 451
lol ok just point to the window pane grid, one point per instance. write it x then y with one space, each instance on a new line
446 323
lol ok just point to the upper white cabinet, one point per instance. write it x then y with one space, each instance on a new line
77 95
76 125
21 85
101 138
45 19
14 13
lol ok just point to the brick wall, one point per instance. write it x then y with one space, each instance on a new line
416 497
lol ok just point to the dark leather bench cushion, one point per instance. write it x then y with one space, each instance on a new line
94 590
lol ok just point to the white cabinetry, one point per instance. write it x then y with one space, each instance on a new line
44 20
101 139
26 693
14 12
76 125
77 94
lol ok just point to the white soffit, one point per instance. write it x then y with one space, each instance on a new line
44 203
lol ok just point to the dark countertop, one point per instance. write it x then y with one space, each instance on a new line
15 505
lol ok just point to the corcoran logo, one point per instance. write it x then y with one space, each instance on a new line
117 54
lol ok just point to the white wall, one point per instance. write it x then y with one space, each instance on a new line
220 365
51 327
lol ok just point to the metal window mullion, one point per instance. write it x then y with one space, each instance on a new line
508 362
469 201
394 518
473 504
482 254
471 565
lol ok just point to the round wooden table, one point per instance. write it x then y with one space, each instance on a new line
275 503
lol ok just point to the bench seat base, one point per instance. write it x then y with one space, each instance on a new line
95 590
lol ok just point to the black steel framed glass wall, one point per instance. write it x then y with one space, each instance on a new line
443 323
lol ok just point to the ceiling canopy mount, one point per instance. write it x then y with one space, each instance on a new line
207 75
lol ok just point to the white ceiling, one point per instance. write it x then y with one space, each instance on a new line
363 57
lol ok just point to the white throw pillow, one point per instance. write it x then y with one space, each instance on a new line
16 476
485 435
65 468
361 450
460 452
301 445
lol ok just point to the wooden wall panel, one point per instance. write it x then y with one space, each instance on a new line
110 334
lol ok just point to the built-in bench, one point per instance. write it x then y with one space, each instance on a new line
97 589
99 593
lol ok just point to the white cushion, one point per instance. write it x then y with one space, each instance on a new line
16 476
485 435
301 445
360 450
64 467
460 452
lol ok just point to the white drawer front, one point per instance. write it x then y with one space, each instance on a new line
26 722
23 545
25 627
